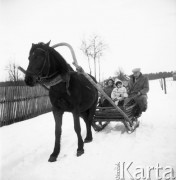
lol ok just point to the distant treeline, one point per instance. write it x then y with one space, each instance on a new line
159 75
151 76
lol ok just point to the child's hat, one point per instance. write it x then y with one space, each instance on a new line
118 82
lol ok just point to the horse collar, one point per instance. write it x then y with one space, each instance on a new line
54 81
58 79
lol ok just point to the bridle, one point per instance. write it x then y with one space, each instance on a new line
47 64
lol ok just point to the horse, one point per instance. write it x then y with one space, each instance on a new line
69 91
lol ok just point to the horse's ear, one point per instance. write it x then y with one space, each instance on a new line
48 43
32 44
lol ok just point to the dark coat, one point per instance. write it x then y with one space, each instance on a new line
108 90
103 101
140 85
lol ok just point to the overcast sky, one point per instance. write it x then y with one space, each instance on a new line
139 33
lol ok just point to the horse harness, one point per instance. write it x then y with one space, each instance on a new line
50 80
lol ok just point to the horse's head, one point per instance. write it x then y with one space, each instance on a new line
39 63
45 64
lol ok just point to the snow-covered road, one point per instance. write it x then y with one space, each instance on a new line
25 147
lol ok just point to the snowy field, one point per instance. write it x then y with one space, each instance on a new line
25 147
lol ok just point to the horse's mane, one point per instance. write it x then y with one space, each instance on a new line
62 66
58 61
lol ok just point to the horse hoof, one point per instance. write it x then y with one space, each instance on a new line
80 152
87 140
52 159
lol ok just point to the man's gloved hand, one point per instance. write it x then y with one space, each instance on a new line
121 98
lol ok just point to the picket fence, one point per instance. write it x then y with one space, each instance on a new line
18 103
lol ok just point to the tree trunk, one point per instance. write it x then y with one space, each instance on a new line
99 69
95 68
89 66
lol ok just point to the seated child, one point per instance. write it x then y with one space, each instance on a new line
119 93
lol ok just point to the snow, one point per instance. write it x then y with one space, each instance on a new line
25 147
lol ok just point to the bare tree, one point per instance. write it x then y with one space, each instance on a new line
13 72
86 50
94 49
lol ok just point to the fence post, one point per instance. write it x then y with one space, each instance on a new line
161 83
165 90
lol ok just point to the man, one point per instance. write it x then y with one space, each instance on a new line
138 88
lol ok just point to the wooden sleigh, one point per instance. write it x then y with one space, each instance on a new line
104 115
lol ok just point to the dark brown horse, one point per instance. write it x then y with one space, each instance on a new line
69 91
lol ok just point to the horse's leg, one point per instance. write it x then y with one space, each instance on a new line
77 128
89 122
58 125
85 117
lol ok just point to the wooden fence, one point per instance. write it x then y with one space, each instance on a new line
18 103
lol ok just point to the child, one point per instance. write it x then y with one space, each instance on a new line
119 93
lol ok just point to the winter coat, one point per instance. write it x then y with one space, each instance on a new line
119 93
108 91
140 85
